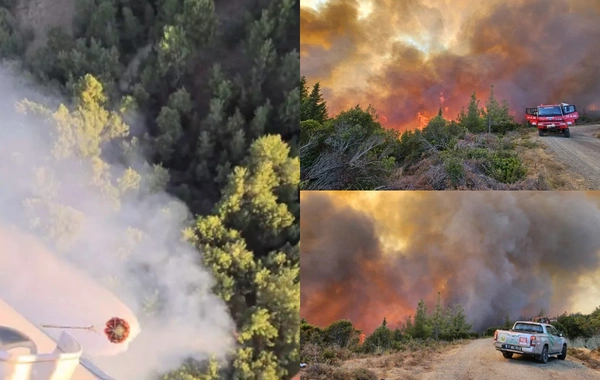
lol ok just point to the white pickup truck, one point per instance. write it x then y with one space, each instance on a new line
539 340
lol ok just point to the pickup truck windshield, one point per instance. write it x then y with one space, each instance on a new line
549 111
526 327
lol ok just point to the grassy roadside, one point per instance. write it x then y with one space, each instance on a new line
589 358
514 161
406 361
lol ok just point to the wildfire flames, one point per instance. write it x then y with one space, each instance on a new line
410 58
370 255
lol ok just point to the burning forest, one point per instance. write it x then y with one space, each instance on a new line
409 59
370 255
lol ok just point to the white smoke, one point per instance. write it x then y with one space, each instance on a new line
65 246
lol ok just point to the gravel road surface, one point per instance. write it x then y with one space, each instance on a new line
580 152
479 360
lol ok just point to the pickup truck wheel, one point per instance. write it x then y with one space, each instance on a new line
541 132
566 133
563 354
507 355
544 356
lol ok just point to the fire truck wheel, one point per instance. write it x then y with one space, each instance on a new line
541 131
566 133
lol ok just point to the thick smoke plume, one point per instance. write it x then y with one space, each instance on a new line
409 58
370 255
77 250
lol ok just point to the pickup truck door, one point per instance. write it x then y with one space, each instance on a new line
555 339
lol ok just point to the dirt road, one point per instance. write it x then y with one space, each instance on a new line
580 152
479 360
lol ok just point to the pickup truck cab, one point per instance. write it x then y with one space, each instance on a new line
540 340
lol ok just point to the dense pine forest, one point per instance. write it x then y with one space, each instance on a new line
208 92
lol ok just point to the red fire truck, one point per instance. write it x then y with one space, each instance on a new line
552 117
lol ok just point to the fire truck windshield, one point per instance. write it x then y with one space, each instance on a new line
549 111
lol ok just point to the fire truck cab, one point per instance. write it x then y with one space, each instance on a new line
552 117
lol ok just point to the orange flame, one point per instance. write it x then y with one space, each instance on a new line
422 119
361 339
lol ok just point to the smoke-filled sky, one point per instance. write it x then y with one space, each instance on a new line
370 255
71 255
408 58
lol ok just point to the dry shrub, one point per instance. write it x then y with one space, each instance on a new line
590 360
317 371
326 372
341 374
311 353
363 374
342 353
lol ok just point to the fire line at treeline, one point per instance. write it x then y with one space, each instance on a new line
409 59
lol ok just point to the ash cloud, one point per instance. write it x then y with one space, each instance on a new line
365 258
533 52
105 261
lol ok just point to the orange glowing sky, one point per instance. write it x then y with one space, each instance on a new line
370 255
408 58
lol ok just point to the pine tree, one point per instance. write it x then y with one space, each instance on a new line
409 328
492 107
498 112
317 107
303 88
460 326
304 104
438 318
471 119
421 321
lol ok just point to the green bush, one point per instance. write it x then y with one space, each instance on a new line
313 129
328 355
505 168
491 330
381 339
477 153
455 170
411 147
504 128
312 140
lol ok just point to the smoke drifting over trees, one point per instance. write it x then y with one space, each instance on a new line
409 58
113 223
163 165
368 256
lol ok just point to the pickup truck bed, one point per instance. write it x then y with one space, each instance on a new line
540 340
